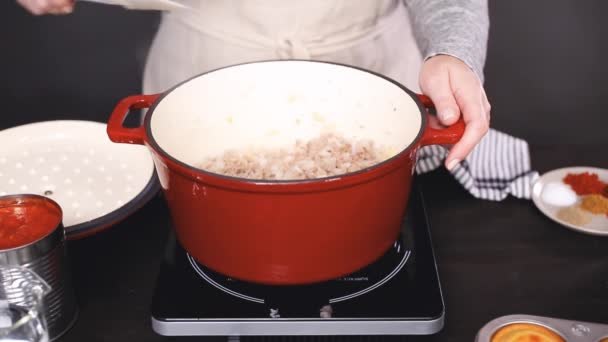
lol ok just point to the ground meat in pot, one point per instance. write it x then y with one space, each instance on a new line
327 155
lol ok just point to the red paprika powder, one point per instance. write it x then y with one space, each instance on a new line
585 183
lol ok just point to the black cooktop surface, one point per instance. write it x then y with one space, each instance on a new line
402 285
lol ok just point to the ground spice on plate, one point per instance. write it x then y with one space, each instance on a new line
595 203
584 183
605 194
574 215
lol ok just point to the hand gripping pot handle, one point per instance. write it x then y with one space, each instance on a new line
120 134
445 136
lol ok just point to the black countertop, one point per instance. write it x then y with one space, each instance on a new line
494 259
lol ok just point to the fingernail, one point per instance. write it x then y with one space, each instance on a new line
67 9
452 164
447 114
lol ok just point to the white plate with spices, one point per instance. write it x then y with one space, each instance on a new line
97 183
584 211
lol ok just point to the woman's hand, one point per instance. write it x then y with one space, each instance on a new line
40 7
456 90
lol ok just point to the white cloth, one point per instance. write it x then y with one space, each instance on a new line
499 166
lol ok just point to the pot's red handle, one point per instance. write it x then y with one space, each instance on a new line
120 134
446 136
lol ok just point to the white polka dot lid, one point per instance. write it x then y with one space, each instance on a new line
96 182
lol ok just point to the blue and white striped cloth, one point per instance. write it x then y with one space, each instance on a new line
499 166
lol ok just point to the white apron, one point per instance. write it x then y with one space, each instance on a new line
371 34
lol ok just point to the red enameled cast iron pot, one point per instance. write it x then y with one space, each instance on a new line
283 232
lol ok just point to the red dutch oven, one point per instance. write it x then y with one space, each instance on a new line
283 232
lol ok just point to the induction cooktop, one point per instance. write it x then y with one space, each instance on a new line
398 294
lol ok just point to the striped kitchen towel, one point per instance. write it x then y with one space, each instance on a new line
498 166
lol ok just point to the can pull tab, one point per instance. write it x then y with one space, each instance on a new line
21 294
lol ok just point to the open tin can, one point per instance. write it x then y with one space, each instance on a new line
539 328
32 238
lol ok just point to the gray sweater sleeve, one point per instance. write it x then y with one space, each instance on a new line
457 28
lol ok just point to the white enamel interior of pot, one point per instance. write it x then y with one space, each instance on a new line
272 104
